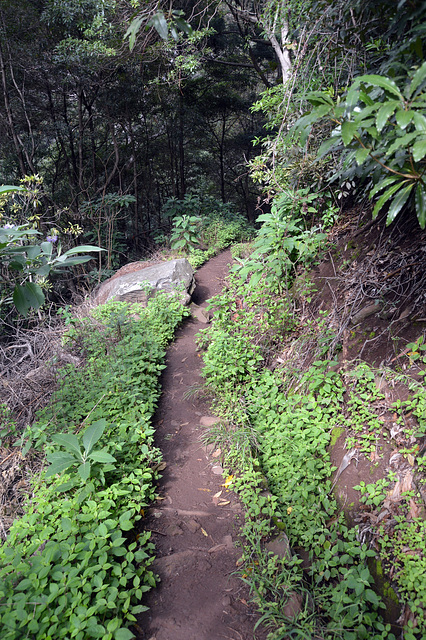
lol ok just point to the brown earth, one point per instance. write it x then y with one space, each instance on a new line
195 523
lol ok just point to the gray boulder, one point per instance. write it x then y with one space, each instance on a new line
129 281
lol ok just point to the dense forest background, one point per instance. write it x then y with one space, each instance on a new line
113 138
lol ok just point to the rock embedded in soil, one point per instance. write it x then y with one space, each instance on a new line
280 546
128 284
209 421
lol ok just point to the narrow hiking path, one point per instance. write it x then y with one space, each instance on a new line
195 534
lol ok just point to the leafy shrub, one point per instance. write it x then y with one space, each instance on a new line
203 226
284 420
283 241
383 129
74 565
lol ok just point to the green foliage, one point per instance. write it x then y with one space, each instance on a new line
74 565
27 264
383 129
203 226
185 234
283 241
34 261
279 430
174 21
74 455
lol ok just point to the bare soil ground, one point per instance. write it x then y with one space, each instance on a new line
195 529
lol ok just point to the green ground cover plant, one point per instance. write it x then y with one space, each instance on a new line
277 428
287 424
77 563
203 226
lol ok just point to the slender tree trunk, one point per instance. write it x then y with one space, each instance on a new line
9 115
182 185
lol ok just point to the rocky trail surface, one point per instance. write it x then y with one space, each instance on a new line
195 523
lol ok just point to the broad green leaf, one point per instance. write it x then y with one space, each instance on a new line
319 97
56 456
404 118
47 248
102 456
27 296
419 150
69 441
159 23
368 101
93 433
66 524
398 202
372 131
84 470
421 205
123 634
183 25
385 83
372 597
18 263
59 466
34 294
403 141
361 155
386 196
327 146
417 80
352 97
20 300
83 249
33 251
361 116
64 261
385 112
133 30
349 129
419 122
382 185
7 188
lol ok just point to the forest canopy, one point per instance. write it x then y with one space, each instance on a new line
230 100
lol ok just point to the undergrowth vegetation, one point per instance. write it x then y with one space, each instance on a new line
75 565
203 226
278 425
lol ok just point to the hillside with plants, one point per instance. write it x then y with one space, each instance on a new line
296 134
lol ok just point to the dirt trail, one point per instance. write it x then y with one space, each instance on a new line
198 598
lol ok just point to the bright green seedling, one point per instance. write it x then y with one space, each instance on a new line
185 232
74 455
416 350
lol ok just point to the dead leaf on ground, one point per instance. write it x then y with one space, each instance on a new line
228 481
216 453
414 509
203 489
223 503
204 532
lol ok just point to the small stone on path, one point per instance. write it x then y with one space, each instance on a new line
193 526
209 421
280 546
174 530
217 470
